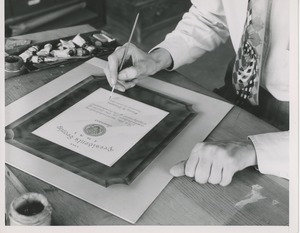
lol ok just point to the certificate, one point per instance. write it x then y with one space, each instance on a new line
100 128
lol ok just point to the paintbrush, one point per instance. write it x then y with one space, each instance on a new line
126 50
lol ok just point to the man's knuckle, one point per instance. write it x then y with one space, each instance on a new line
205 157
132 46
110 58
213 181
198 146
188 172
200 180
224 184
225 181
231 162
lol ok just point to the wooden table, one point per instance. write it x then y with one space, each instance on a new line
182 202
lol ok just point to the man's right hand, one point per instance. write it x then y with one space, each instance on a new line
143 64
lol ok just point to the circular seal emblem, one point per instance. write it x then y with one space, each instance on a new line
94 130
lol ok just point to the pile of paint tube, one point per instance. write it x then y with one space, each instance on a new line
78 47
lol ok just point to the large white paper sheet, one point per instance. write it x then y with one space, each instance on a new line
101 128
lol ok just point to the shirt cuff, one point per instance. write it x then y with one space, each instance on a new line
272 151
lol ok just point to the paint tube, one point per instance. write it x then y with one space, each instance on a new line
72 52
50 59
81 52
60 53
90 48
45 51
66 44
29 53
37 59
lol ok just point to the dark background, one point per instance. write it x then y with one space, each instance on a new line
157 18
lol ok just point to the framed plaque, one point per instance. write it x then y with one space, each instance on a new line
24 132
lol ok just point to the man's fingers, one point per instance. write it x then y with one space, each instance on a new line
132 72
112 68
178 169
119 52
130 84
118 48
114 61
128 74
202 171
120 86
126 78
191 165
215 173
192 161
226 176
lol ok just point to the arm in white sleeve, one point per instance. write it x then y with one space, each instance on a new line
272 151
201 29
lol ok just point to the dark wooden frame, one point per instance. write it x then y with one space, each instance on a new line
127 168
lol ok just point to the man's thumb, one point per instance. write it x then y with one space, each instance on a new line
178 169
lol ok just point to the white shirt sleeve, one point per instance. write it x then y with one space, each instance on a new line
272 151
201 29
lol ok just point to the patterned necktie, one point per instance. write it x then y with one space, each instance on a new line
249 61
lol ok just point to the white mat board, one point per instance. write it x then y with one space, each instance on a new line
128 202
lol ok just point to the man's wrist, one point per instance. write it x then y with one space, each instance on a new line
162 59
251 155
